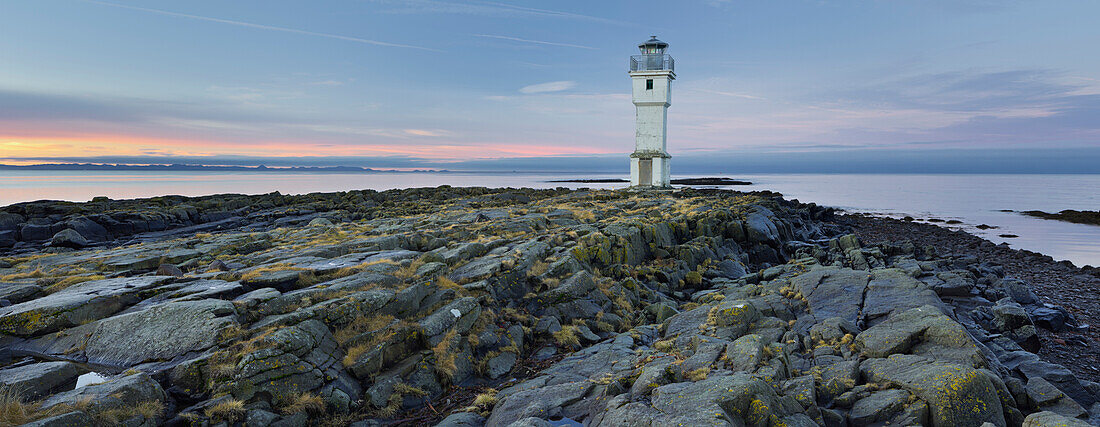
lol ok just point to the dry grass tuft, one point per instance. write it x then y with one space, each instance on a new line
37 273
72 280
408 390
408 271
445 357
443 282
567 337
16 411
664 346
360 325
271 268
229 411
309 403
393 405
486 400
698 374
538 268
149 410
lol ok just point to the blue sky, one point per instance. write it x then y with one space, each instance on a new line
478 83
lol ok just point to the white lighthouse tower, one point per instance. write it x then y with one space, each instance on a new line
652 74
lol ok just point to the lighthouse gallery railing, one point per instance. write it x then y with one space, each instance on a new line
652 63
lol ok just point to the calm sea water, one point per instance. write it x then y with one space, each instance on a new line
972 199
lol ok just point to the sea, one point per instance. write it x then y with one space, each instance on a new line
973 200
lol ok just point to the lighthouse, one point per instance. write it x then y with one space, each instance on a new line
652 74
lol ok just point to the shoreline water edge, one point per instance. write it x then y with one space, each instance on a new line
475 306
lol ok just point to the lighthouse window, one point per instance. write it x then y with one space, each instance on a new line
649 84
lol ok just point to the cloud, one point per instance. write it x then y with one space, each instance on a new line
486 8
548 87
326 83
259 26
731 94
426 132
491 36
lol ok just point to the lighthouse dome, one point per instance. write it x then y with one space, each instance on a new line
653 46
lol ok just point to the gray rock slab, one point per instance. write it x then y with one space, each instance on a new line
39 380
78 304
160 333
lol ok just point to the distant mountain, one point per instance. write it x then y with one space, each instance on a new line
204 168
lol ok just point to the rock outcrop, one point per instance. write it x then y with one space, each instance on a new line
698 307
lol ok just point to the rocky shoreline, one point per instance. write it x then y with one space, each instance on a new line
517 307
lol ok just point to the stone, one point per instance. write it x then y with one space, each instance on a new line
731 269
320 222
1008 315
760 227
891 290
577 286
737 399
736 315
542 402
68 238
259 418
1049 398
745 353
461 252
832 330
848 242
476 270
1051 419
954 284
462 419
705 354
653 375
169 270
957 394
880 406
10 221
35 232
501 364
284 280
838 376
444 319
531 422
138 261
39 380
68 419
16 293
87 228
125 391
661 311
923 330
217 265
75 305
431 270
1053 318
547 325
159 333
299 357
1018 290
832 292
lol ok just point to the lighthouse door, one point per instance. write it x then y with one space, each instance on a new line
645 172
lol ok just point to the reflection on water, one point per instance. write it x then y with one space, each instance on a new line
972 199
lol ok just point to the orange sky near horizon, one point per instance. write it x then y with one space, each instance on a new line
16 149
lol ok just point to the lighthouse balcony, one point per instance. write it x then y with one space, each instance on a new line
652 63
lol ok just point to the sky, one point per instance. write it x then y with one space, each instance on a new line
910 85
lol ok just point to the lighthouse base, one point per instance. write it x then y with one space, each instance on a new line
649 170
